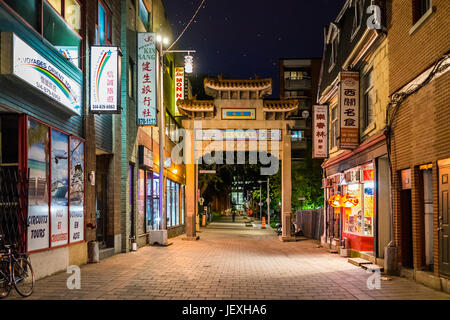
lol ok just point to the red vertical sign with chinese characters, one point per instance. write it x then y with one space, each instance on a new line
179 86
146 77
320 132
349 110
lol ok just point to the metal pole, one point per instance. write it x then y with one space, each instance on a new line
260 202
162 113
268 203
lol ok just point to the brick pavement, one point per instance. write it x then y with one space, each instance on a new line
230 261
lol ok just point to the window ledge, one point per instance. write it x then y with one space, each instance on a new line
422 20
369 128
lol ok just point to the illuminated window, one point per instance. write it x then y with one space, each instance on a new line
104 23
144 14
297 135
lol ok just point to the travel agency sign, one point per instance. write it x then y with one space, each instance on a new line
28 65
104 83
146 66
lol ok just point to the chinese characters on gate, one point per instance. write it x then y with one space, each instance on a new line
146 65
104 79
320 129
349 108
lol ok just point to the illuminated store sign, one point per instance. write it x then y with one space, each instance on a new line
179 86
146 78
104 83
31 67
349 106
320 130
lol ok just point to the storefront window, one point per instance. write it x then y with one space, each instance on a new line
38 165
59 188
359 219
353 216
76 190
177 204
168 204
156 211
368 208
141 203
182 205
148 202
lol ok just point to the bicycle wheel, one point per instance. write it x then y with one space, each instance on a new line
5 287
23 277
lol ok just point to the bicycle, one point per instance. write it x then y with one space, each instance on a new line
15 270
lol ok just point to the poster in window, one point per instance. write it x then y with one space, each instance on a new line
104 83
76 190
59 188
38 165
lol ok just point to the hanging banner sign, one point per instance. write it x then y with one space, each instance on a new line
31 67
104 84
146 75
320 132
179 86
349 110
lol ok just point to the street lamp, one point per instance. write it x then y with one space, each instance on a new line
163 40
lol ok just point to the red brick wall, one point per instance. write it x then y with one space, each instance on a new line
412 54
421 133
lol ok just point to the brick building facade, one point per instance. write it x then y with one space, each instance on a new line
356 170
420 138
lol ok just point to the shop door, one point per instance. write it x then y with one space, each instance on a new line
101 185
13 186
444 221
406 223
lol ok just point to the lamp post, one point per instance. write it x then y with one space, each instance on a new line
267 199
162 115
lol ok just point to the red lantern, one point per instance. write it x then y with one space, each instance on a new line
349 201
335 201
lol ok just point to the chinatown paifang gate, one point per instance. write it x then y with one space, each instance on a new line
238 119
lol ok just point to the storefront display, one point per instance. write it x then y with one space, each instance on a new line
38 164
76 190
59 188
358 207
56 157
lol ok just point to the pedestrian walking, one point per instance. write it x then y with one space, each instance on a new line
233 212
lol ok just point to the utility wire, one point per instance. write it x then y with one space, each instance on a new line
187 26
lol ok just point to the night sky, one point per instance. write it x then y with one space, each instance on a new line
241 38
